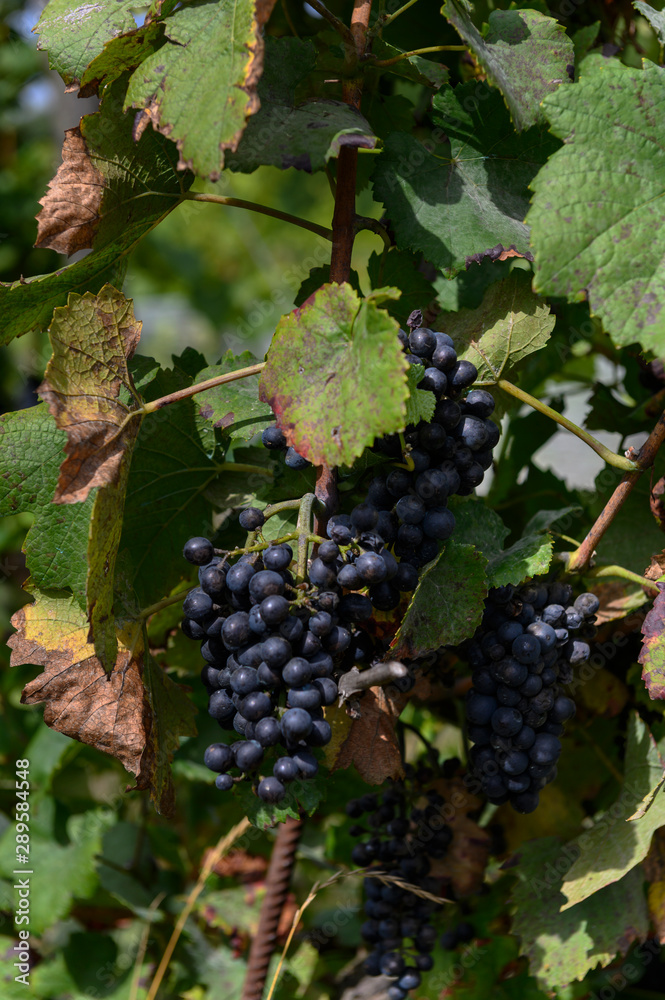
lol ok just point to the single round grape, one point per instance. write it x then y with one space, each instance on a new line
355 607
321 733
244 680
218 757
276 651
224 782
391 564
264 584
444 357
398 483
422 342
270 790
524 802
432 436
248 755
297 672
479 402
410 509
506 721
511 672
577 651
321 664
545 750
251 519
340 531
338 640
462 375
544 633
493 434
514 762
587 604
392 963
526 648
212 579
267 732
439 523
277 557
192 629
307 763
563 709
220 706
434 380
322 575
328 551
371 567
273 438
295 461
285 769
198 550
410 979
532 686
553 614
197 605
296 724
472 432
307 697
256 705
274 609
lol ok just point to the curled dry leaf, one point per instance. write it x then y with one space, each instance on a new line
371 743
92 338
111 712
70 211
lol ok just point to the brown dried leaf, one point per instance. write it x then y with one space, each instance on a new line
371 743
656 568
499 252
654 869
111 712
617 600
652 654
92 338
241 865
657 502
69 217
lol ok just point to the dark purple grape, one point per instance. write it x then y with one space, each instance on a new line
198 550
218 757
270 790
273 438
251 519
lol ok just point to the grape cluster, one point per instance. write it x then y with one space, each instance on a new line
272 651
397 840
524 650
405 515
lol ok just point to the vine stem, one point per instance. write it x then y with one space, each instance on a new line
192 390
252 206
388 18
304 529
278 879
383 63
609 456
335 22
622 573
581 557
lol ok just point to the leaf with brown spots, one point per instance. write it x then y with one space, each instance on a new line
199 88
652 654
371 743
234 406
92 337
113 713
335 375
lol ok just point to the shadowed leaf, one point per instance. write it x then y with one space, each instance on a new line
525 54
652 654
371 743
234 407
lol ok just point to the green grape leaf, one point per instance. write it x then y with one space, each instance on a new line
319 276
199 89
177 457
530 556
423 71
110 188
335 375
286 133
447 605
477 524
25 305
121 55
524 53
465 190
67 872
652 654
620 838
510 323
73 35
111 712
563 945
399 269
56 544
614 153
421 402
656 18
233 407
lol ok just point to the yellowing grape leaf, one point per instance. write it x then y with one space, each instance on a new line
92 338
652 654
112 713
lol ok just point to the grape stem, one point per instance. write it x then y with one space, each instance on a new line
354 681
609 456
581 557
251 206
385 63
386 19
192 390
304 531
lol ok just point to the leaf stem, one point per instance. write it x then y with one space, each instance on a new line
384 63
245 467
192 390
621 571
386 19
304 529
252 206
609 456
165 602
581 557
